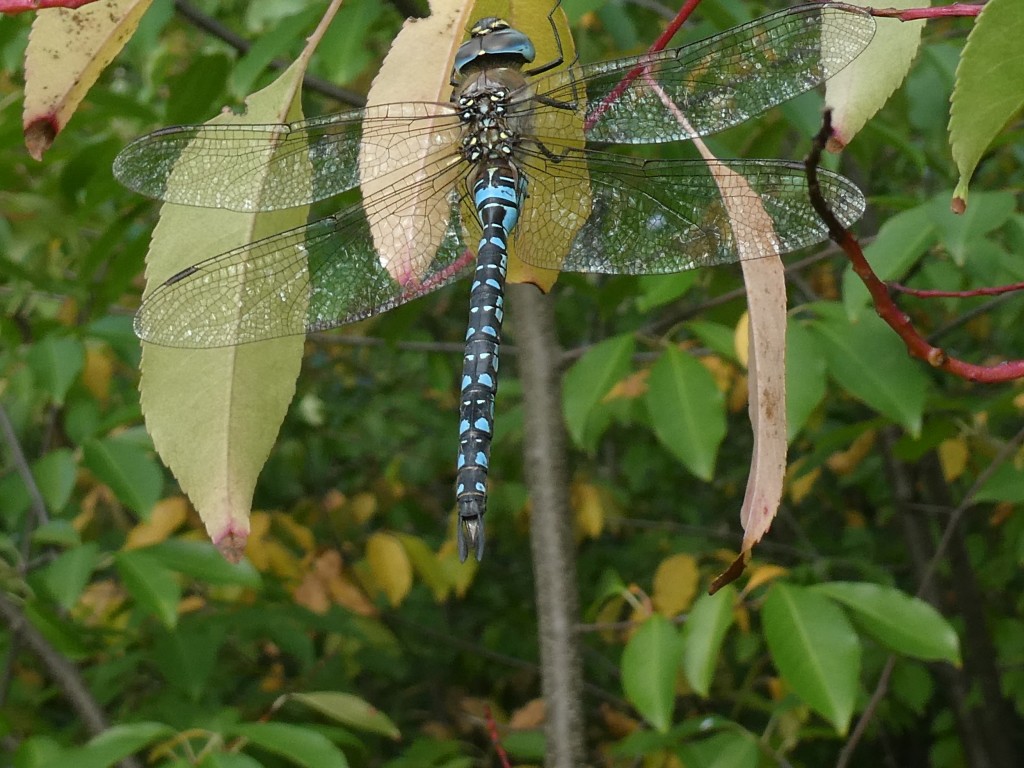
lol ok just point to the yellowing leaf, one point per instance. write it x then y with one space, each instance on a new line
762 574
325 584
675 584
845 462
390 567
299 533
415 73
67 51
588 510
98 370
953 457
167 516
801 485
629 388
530 715
618 723
361 507
741 339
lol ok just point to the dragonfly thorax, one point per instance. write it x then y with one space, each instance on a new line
493 42
490 133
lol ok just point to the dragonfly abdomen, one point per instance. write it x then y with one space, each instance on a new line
498 192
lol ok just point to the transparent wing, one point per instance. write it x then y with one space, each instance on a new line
267 167
318 276
716 83
657 216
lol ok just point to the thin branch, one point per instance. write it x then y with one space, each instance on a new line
942 11
61 671
38 505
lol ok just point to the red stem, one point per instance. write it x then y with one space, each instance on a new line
633 74
21 6
884 304
914 14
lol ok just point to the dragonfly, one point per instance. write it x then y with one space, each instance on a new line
516 160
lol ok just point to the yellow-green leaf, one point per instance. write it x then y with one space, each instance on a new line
214 413
989 86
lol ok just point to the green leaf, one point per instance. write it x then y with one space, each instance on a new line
658 290
815 649
650 662
901 241
57 533
730 749
989 86
1005 484
56 363
349 710
720 339
114 744
687 411
194 92
703 633
55 475
202 561
905 624
66 577
153 586
299 745
187 657
988 212
128 469
64 636
229 760
349 33
870 361
273 42
587 383
805 377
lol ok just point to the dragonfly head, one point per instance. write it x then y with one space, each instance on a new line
494 37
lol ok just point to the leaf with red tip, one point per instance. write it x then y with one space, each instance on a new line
67 51
860 89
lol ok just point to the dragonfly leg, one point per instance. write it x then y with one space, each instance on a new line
548 101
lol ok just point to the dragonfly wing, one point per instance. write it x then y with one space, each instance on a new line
658 216
716 83
269 167
315 277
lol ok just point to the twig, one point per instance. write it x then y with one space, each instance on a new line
23 469
61 671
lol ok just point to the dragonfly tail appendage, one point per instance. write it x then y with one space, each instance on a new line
471 528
